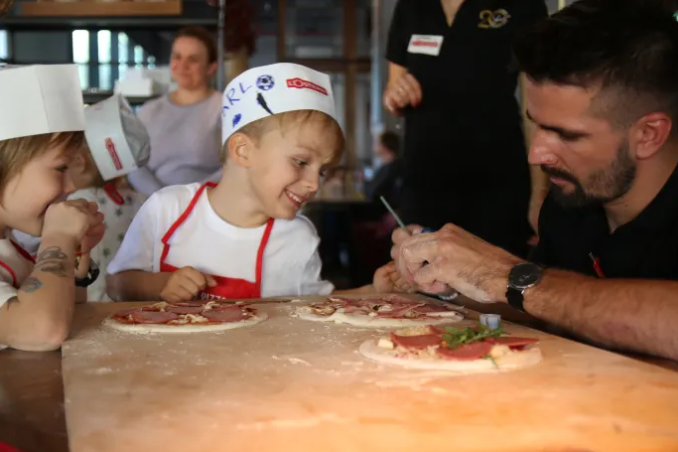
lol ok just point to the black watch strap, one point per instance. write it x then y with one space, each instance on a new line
92 276
515 298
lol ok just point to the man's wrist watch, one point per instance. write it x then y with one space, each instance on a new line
92 275
520 278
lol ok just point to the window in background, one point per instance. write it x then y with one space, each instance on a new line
81 55
4 45
138 57
123 55
104 51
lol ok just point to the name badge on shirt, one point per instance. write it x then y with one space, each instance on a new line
425 44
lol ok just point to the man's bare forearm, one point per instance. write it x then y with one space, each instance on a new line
136 285
632 315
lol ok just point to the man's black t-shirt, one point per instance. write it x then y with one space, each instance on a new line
467 130
645 248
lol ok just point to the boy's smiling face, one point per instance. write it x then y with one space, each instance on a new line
289 162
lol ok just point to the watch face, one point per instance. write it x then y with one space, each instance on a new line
525 275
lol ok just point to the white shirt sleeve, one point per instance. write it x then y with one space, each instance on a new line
137 251
311 283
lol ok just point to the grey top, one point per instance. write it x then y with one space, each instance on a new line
185 143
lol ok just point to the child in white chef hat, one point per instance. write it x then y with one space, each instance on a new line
117 143
243 237
41 124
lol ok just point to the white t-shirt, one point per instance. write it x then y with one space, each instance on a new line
291 263
117 218
21 267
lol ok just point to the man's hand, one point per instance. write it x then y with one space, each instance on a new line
454 258
185 284
402 92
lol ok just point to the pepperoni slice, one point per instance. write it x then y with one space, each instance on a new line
153 317
466 352
125 313
416 342
225 316
190 304
226 307
185 309
513 342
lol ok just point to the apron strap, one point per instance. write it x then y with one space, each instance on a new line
25 254
114 194
11 273
170 232
260 253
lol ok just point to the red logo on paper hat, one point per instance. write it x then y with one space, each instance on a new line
305 84
110 146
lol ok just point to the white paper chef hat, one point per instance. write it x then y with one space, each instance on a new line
40 99
277 88
117 139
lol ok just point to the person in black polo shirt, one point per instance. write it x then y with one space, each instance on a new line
464 152
603 93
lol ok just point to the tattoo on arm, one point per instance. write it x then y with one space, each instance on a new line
52 260
31 285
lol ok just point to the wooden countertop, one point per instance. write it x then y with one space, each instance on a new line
292 385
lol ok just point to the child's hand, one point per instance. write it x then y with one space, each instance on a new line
387 280
72 219
400 284
185 284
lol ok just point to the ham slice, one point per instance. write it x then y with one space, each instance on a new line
229 315
467 352
185 309
513 342
153 317
398 311
416 342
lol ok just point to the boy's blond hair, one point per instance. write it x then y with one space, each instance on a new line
255 130
15 153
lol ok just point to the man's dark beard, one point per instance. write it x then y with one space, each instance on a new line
614 181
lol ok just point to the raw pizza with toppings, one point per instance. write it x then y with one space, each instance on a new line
185 317
470 350
390 311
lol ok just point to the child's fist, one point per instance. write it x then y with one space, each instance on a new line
388 280
185 284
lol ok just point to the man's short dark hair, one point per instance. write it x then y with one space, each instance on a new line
391 141
628 48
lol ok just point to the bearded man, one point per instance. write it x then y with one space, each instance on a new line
603 93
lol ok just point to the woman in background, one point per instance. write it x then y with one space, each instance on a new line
184 125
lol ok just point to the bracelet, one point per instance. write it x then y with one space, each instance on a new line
92 275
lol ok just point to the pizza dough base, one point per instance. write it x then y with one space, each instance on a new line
513 361
188 328
375 322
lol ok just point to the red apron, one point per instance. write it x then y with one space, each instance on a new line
25 254
226 288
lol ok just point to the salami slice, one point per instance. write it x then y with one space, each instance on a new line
513 342
126 312
466 352
416 342
229 315
226 307
153 317
190 304
185 309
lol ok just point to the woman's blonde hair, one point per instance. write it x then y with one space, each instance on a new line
15 153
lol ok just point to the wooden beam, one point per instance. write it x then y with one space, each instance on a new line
96 9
